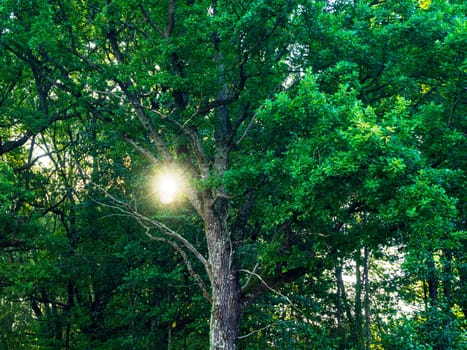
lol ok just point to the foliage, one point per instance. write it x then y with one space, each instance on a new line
325 140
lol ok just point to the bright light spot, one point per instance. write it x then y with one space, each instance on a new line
168 188
169 185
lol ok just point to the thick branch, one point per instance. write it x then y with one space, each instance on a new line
147 124
11 145
142 150
198 150
171 18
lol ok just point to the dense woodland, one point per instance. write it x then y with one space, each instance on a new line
322 150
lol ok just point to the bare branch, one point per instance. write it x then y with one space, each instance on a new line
275 291
197 278
171 233
256 331
247 129
11 145
250 276
146 222
240 120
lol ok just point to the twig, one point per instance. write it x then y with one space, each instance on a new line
252 120
250 276
256 331
272 289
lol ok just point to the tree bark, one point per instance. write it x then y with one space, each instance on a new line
225 288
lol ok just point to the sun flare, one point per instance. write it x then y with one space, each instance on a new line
169 185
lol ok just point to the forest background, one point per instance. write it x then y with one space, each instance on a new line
320 145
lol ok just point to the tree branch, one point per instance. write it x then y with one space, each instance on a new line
150 21
192 273
142 150
11 145
146 222
256 331
268 286
171 18
147 124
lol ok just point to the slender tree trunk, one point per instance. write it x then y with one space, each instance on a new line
358 324
346 319
425 295
57 323
69 306
433 281
339 313
447 278
462 270
225 312
447 304
367 297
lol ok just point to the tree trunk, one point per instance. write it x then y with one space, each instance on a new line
339 313
346 320
432 280
225 311
358 325
367 297
462 270
447 278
